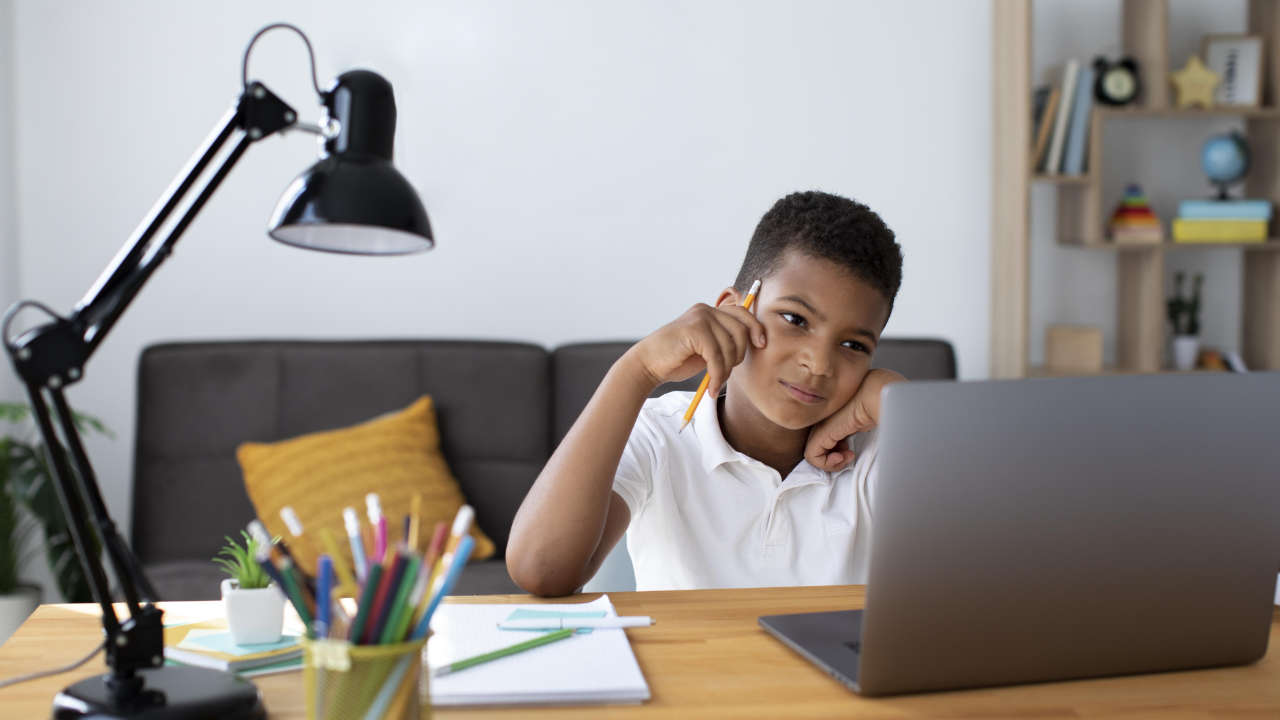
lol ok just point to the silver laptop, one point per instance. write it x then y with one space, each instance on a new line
1048 529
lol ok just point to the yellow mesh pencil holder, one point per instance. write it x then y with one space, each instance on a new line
364 682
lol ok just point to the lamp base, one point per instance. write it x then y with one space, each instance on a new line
168 693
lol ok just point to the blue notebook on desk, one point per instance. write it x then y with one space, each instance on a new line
594 667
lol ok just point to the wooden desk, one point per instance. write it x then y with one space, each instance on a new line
707 658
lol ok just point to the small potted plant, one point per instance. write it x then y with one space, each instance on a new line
1184 314
254 606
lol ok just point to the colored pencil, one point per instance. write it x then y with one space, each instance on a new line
461 526
264 560
347 582
459 560
413 605
366 604
386 634
293 591
503 652
352 522
378 522
415 512
431 561
324 597
386 589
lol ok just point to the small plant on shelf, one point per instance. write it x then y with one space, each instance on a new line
1184 315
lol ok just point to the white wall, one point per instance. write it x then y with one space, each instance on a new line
1074 285
9 387
590 168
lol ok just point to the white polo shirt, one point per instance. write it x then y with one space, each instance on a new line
704 515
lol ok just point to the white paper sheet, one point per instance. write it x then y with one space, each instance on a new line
595 667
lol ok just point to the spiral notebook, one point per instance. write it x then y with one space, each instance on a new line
590 667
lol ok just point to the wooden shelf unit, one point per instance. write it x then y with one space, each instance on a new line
1081 216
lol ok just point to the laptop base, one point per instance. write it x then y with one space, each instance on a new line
814 637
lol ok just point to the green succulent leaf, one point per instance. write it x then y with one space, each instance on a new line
241 563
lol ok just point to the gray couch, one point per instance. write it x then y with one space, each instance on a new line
502 408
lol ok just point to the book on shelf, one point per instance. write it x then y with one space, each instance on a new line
1227 231
1073 157
1039 99
1053 160
1225 209
1043 128
209 644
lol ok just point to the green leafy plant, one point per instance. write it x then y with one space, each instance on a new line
15 531
241 564
1184 313
27 485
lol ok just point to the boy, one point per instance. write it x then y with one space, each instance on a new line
761 488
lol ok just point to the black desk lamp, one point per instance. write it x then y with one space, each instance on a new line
351 201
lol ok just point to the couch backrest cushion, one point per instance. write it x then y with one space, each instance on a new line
501 407
198 401
578 369
917 358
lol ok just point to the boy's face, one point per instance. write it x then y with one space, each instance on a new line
822 325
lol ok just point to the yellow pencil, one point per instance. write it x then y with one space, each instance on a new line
415 507
702 389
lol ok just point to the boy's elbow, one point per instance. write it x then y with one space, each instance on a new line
536 578
542 587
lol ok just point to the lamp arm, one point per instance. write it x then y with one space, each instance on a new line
51 356
115 287
258 113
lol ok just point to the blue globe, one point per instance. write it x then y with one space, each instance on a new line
1225 158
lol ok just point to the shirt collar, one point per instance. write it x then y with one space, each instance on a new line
716 450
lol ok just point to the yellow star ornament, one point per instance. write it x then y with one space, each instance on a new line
1195 84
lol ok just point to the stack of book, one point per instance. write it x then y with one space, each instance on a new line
1060 121
1208 221
209 644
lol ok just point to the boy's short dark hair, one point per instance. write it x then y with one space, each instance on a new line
830 227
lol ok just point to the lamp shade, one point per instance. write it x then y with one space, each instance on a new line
353 200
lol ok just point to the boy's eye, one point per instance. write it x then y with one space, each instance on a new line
856 346
793 319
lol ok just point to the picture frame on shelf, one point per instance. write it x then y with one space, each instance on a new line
1237 60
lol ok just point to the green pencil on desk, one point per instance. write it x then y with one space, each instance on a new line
503 652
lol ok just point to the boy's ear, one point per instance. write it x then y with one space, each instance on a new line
729 295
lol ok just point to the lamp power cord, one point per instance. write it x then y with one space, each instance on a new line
56 671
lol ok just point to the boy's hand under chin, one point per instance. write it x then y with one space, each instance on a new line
826 448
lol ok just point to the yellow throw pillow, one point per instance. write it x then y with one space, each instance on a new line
395 455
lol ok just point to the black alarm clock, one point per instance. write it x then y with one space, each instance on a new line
1115 83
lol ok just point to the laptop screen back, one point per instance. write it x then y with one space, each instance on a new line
1059 528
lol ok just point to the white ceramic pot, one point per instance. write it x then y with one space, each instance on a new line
253 616
15 607
1185 350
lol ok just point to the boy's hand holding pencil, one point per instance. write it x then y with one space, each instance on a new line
715 338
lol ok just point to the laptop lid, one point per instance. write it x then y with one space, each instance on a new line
1062 528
